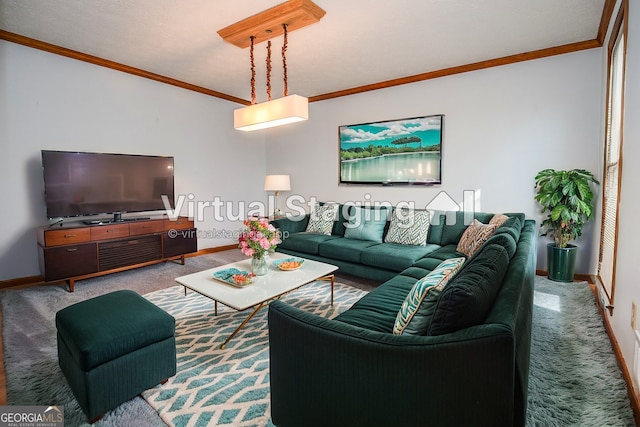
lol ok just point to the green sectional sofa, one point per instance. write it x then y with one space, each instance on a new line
466 363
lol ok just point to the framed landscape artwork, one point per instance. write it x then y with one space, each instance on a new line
402 152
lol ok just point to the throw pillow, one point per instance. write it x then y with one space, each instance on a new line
498 220
474 236
420 302
408 227
366 224
469 296
322 218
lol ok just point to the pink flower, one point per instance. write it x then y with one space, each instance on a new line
258 237
248 251
265 243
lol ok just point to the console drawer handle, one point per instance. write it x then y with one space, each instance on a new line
72 249
70 235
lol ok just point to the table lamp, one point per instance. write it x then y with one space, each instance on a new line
277 183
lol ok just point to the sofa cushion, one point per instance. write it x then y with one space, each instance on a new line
344 211
505 240
427 264
436 225
308 243
344 249
322 218
366 224
419 304
440 254
512 226
418 272
467 299
474 236
394 256
408 227
377 310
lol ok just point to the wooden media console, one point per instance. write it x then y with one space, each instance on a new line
77 251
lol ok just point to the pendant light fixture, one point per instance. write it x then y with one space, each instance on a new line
278 20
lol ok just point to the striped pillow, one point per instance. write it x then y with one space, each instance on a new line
322 218
408 227
420 302
474 236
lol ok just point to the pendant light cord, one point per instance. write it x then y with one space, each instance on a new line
284 66
269 70
284 59
253 73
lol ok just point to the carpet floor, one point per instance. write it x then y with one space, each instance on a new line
574 377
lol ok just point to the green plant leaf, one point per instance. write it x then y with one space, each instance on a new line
566 198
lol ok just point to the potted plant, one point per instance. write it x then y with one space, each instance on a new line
566 197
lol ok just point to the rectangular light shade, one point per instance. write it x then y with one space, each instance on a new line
281 111
277 183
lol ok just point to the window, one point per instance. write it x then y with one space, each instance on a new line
612 157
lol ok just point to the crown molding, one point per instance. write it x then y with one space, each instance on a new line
511 59
497 62
69 53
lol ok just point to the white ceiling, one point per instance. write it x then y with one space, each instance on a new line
358 42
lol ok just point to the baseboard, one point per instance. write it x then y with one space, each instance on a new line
207 251
39 280
634 397
589 278
22 281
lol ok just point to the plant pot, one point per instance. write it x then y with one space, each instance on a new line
561 262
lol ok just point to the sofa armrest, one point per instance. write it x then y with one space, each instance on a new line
326 372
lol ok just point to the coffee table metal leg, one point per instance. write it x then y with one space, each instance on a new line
253 313
332 278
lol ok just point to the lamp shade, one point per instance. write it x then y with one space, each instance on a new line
289 109
277 183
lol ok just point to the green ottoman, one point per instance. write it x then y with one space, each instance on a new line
113 347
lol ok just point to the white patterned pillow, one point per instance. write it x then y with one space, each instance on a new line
421 300
322 218
474 236
408 227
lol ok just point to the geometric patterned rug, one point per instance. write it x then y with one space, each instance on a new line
227 386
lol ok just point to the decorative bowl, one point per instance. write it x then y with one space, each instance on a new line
288 264
235 277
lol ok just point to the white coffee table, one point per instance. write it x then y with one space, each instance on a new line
266 288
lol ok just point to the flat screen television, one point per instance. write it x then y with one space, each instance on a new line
83 184
394 152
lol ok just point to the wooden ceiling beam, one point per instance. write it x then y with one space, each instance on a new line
268 24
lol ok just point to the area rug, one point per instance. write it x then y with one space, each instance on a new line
227 386
574 378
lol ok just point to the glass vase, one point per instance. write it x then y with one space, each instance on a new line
260 264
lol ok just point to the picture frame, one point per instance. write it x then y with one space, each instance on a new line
392 152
